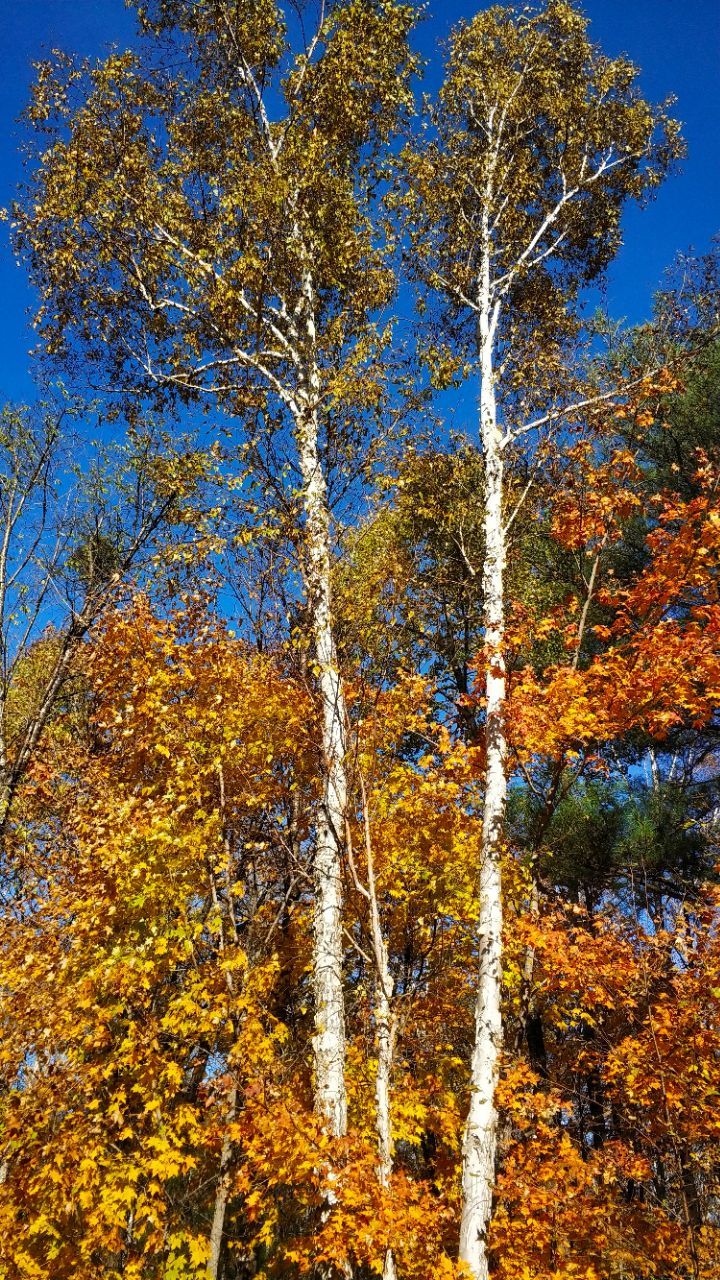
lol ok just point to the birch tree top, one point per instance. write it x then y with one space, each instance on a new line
182 192
535 144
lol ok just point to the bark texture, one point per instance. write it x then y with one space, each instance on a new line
481 1132
385 1035
329 1038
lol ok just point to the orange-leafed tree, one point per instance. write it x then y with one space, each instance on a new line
611 978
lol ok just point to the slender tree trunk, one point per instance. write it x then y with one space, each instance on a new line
481 1132
385 1034
531 1023
221 1195
329 1038
384 1014
226 1154
530 1029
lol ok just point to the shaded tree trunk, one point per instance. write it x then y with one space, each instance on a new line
221 1195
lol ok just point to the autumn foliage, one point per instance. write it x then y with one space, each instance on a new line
392 765
155 949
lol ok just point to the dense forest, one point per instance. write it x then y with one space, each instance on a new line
360 666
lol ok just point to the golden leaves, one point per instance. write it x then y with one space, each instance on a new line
523 168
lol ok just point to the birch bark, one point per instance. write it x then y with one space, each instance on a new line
329 1038
386 1022
385 1030
515 202
481 1131
385 1034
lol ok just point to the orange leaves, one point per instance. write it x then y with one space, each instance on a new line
683 557
555 714
665 678
596 499
666 1069
600 1154
579 970
166 1011
156 1010
661 665
288 1160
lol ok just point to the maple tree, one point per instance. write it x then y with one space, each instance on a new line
157 1041
174 912
148 932
628 853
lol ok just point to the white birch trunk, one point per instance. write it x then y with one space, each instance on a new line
385 1030
385 1019
481 1132
329 1038
385 1034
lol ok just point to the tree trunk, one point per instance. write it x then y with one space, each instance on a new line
223 1189
481 1132
329 1038
384 1015
385 1038
385 1033
221 1195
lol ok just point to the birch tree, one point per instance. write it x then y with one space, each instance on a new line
536 143
200 230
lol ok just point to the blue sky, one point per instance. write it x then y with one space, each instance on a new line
677 45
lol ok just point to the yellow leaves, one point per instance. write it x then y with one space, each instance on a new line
42 1226
187 1256
144 979
166 1040
234 960
582 104
169 1161
410 1116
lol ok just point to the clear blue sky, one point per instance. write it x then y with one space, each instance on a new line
677 45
